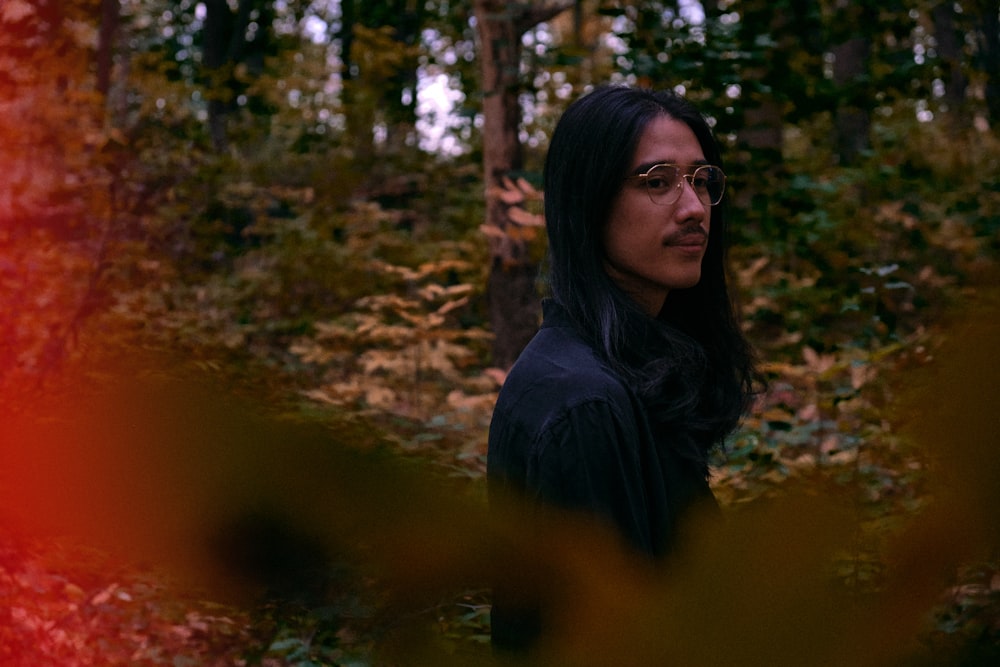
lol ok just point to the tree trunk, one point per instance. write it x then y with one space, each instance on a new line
989 56
346 35
110 10
763 123
852 122
511 293
384 93
950 52
852 118
224 47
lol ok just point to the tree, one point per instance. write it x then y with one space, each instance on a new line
987 38
232 38
511 287
110 11
950 52
55 197
852 49
402 21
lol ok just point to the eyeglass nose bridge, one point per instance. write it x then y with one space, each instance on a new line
705 198
690 181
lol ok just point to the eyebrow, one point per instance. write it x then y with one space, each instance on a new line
646 166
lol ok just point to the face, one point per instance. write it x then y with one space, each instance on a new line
651 249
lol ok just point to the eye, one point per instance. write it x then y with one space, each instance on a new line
661 179
658 182
707 178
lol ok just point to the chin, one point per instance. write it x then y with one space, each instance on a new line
684 284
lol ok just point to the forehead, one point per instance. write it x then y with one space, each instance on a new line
667 139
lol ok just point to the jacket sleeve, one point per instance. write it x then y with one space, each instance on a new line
588 460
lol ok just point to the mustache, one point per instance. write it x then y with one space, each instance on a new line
686 236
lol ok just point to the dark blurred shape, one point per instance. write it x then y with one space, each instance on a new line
270 551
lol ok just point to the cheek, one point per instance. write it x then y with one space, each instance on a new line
622 228
615 238
610 228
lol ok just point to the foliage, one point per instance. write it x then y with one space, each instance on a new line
58 610
522 203
338 279
407 353
58 193
966 620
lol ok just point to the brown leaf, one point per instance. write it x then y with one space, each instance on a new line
492 231
528 189
526 218
818 363
524 234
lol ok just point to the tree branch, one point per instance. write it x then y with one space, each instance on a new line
535 14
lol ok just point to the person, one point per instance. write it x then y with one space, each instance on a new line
640 368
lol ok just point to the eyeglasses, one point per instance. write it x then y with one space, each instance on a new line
665 182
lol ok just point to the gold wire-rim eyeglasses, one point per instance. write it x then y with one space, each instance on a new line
707 181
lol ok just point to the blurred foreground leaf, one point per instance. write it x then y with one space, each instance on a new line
174 474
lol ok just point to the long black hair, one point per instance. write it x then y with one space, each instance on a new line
691 365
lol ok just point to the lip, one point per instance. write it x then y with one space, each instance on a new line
687 241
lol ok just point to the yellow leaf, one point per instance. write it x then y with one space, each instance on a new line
430 292
429 268
452 305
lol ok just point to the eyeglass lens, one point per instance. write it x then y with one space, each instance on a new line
664 184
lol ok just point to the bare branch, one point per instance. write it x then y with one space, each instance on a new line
535 14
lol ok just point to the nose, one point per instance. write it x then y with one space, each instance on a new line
690 207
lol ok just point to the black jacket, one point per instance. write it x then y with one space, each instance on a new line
566 431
